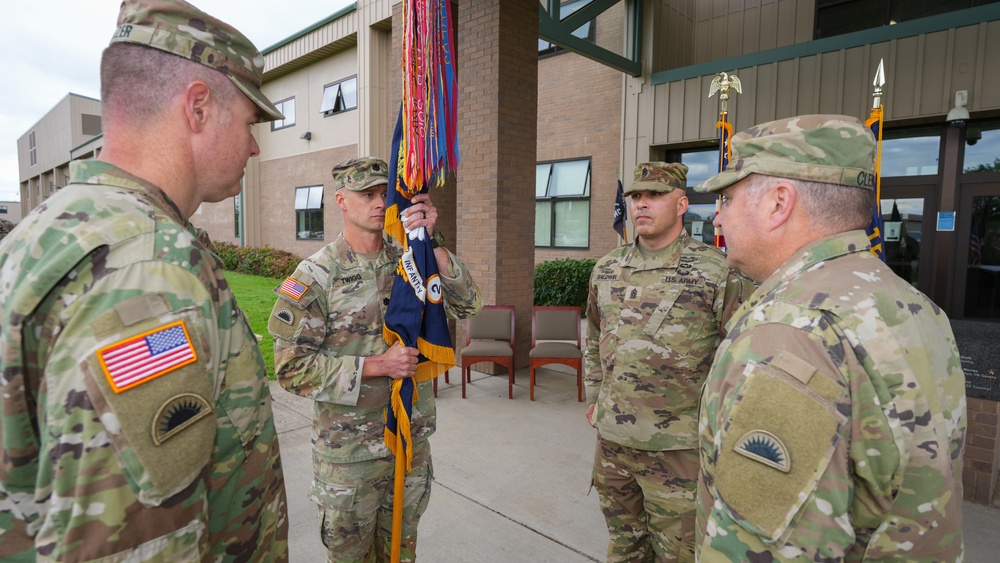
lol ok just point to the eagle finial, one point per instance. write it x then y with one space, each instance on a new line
721 84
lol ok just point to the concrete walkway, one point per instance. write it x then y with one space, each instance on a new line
511 477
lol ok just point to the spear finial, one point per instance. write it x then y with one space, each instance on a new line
878 83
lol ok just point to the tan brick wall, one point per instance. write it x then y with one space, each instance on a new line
980 460
497 44
279 178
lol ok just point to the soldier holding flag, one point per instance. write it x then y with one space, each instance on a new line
327 324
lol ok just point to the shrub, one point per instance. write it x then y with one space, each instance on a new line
256 261
563 282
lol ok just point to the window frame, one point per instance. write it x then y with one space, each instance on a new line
32 149
284 122
309 211
553 200
334 111
591 36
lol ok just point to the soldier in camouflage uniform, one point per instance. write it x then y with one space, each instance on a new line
327 324
135 417
833 421
657 309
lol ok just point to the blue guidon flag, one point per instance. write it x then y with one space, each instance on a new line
415 315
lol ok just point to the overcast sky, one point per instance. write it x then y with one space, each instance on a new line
49 48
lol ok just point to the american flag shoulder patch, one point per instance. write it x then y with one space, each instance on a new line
293 288
142 358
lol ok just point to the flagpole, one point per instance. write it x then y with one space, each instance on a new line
397 498
874 122
722 84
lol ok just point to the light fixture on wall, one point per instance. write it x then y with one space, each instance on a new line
959 115
308 134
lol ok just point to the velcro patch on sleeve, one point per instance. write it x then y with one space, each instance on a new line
293 288
776 446
142 358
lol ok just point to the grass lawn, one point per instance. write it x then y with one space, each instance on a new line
255 295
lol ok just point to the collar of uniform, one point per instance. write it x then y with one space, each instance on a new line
348 259
669 257
98 172
807 257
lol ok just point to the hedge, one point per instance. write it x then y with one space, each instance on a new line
257 261
563 282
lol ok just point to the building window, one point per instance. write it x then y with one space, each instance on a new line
702 165
309 213
3 209
287 108
562 204
982 141
237 216
836 17
31 149
90 124
910 152
585 31
340 97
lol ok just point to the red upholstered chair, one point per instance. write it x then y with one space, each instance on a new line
489 337
555 339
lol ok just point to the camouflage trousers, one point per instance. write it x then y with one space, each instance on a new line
648 501
355 506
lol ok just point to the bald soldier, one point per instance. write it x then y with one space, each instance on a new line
135 417
657 308
833 420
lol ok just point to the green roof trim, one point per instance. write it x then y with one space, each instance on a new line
335 16
959 18
87 142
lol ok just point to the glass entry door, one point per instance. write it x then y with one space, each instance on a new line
978 256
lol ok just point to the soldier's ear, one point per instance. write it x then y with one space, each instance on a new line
198 101
779 201
682 205
340 198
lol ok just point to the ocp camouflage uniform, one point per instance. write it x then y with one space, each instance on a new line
178 464
653 325
321 341
832 423
833 367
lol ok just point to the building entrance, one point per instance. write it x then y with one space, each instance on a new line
977 260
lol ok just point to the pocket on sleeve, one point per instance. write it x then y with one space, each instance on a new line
776 446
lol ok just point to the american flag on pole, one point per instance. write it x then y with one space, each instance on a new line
142 358
292 288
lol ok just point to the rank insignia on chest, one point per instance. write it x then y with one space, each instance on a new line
292 288
145 357
762 446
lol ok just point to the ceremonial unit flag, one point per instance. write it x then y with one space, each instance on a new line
876 227
621 213
415 316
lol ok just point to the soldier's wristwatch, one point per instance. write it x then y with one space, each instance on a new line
438 239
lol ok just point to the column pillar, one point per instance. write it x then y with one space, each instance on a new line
498 102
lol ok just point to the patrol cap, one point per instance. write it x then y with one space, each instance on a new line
181 29
658 177
358 174
833 149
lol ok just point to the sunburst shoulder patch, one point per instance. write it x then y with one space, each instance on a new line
178 413
285 316
762 446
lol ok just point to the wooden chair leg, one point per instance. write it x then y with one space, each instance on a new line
510 382
436 386
531 384
579 384
464 370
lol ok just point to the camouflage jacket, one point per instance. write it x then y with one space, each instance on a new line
652 327
135 417
833 421
322 338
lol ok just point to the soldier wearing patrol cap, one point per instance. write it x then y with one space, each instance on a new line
328 345
833 419
657 309
135 417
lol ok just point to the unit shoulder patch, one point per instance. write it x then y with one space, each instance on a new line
762 446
